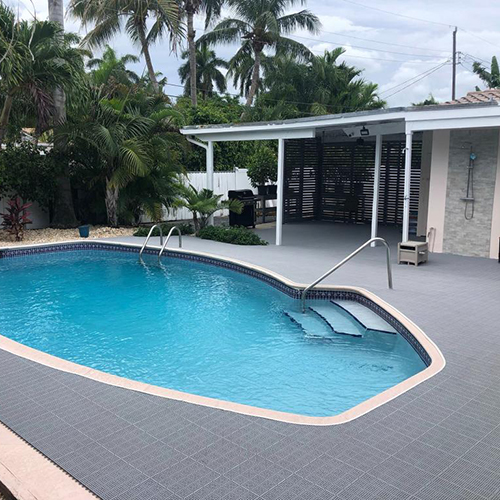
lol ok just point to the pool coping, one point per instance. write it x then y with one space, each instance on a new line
437 360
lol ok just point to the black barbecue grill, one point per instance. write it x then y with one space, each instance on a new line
247 216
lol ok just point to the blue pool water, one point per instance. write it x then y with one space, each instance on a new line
192 327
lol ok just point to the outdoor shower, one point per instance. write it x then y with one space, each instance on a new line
469 195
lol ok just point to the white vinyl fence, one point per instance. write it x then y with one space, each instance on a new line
223 182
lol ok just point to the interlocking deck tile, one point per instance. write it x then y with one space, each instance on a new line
329 473
162 423
447 440
222 488
154 458
383 439
468 425
397 473
296 488
126 441
440 489
147 490
426 457
368 487
473 477
258 474
222 456
255 438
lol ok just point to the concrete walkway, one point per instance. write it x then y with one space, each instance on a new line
439 441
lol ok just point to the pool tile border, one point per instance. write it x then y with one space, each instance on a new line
426 349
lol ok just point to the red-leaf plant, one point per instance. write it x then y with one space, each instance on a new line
16 218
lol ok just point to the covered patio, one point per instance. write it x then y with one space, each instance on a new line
366 168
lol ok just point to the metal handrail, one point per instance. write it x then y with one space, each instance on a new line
149 236
349 257
175 228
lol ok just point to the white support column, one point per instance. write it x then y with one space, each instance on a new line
279 201
407 180
210 172
376 186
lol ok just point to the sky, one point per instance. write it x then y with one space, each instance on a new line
398 52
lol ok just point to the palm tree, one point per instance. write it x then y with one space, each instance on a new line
190 8
260 25
490 78
321 86
111 67
64 212
203 204
41 59
207 71
109 15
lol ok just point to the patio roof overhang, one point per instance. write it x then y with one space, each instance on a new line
363 123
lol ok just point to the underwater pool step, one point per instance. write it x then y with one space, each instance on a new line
366 317
314 326
340 320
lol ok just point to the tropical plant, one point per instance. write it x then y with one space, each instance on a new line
235 235
189 9
208 73
130 143
490 78
41 59
320 86
183 227
259 26
146 21
429 101
203 204
16 218
110 70
262 166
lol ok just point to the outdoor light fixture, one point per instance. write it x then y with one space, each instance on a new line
364 131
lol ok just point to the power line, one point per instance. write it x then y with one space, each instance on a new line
416 81
413 78
361 47
479 37
399 15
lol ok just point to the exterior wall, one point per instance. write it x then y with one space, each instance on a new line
39 217
495 221
425 177
461 236
437 188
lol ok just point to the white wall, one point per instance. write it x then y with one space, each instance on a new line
223 182
495 220
437 188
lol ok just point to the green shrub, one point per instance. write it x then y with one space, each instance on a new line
262 166
184 228
236 235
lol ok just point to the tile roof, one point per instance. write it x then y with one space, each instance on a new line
477 97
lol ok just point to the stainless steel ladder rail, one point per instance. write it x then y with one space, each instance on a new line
149 236
348 258
175 228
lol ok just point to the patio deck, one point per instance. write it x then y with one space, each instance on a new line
439 441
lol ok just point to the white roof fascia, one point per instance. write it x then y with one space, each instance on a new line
224 133
251 135
464 117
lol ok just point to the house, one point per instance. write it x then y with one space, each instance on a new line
433 171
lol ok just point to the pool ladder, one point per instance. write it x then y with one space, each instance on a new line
163 245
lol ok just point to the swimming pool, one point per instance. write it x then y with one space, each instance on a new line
199 329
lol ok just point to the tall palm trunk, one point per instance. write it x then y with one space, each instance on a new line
111 203
147 57
4 117
64 212
191 33
255 77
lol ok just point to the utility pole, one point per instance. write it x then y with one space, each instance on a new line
454 66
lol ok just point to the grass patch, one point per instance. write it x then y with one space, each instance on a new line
166 227
236 235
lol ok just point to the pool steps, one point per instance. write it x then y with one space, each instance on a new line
325 320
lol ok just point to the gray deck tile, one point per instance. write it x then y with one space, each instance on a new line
426 457
186 477
222 456
296 488
484 455
368 487
126 441
473 477
162 423
147 490
440 489
258 474
359 455
329 473
190 439
407 424
255 438
222 488
468 425
383 439
447 440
